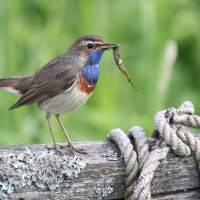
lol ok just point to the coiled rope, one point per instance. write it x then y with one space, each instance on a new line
141 161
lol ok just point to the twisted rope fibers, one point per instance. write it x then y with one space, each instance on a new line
141 161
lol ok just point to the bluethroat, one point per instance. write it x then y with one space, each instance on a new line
63 84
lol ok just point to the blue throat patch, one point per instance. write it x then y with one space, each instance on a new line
91 71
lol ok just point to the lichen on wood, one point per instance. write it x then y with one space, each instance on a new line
44 169
104 177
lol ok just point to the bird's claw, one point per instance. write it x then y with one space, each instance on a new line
73 149
68 149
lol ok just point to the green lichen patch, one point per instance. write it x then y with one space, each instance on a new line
44 169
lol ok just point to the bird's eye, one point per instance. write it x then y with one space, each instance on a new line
90 45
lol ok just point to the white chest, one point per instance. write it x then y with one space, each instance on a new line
66 102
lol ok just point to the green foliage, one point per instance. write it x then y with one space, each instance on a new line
34 32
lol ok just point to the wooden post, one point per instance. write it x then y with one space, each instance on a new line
101 175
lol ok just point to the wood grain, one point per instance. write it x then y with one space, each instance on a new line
104 178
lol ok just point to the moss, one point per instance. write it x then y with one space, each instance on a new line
44 169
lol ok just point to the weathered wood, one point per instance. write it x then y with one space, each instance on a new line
104 177
182 195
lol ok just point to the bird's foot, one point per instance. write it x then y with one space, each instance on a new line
73 149
58 149
68 149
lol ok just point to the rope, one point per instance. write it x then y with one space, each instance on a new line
141 160
130 158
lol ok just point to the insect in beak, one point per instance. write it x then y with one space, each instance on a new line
106 46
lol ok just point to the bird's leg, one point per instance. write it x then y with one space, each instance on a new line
48 116
67 137
63 128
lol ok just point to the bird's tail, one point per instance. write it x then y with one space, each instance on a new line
11 84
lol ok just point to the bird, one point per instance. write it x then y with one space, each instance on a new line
62 85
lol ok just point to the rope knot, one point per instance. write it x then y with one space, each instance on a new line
186 108
142 160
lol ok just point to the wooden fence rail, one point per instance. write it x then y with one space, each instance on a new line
103 176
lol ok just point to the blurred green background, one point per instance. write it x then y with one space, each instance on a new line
149 33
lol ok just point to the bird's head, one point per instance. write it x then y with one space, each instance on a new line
90 47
